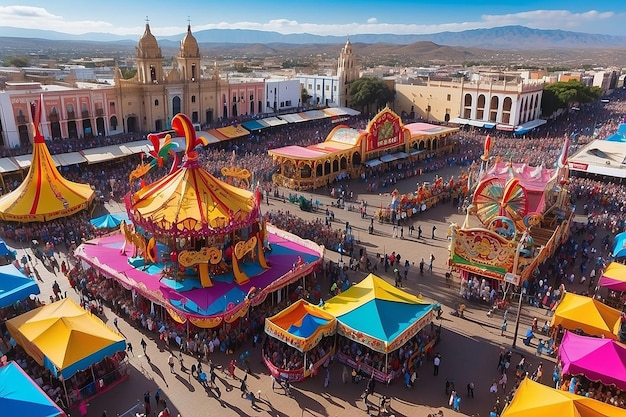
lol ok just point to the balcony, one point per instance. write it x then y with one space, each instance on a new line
85 114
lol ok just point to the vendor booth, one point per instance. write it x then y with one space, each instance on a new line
533 399
380 317
614 277
302 326
66 339
597 359
21 396
15 286
589 315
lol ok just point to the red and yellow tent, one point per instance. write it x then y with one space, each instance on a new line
44 194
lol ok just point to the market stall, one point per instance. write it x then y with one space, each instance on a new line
302 326
380 317
614 277
587 314
597 359
15 286
66 339
20 395
533 399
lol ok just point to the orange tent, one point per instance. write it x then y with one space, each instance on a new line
592 316
44 194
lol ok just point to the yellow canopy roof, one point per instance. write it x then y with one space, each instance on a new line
533 399
44 194
190 201
63 336
371 288
592 316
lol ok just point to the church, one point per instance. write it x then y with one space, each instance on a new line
148 101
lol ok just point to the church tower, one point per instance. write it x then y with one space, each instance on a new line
347 73
149 59
189 57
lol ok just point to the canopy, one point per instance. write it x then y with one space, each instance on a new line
619 249
533 399
5 250
65 338
614 278
378 315
109 221
15 286
190 201
301 325
597 359
591 316
20 395
44 194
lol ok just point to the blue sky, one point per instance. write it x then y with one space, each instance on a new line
323 17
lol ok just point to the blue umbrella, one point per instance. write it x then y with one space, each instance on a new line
109 221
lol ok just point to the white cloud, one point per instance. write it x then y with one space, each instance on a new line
40 18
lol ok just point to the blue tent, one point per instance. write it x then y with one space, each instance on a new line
109 221
15 286
619 250
5 250
20 395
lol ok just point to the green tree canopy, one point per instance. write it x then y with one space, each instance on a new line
367 91
16 61
563 95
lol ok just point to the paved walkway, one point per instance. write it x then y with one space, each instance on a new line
469 347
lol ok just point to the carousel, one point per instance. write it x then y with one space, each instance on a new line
195 245
516 217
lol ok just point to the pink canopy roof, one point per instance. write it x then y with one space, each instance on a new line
597 359
294 151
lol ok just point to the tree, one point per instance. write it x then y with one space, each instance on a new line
304 96
16 61
563 95
129 73
367 91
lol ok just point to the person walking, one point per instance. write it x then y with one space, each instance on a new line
146 402
157 397
144 345
115 323
129 348
470 390
170 362
371 385
436 363
431 259
244 387
434 228
503 328
419 231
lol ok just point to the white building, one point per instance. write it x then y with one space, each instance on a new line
281 95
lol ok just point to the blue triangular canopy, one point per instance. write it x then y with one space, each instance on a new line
307 327
109 221
15 286
20 395
4 249
619 249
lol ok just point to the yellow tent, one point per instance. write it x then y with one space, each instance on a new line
44 194
190 201
592 316
65 338
533 399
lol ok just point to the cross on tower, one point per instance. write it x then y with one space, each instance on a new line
189 20
147 20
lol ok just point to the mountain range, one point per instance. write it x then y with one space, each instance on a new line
500 38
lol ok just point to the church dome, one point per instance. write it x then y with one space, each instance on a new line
148 46
189 45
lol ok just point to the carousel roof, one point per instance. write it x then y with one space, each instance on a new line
190 201
44 194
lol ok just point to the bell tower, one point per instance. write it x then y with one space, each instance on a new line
347 73
149 58
188 58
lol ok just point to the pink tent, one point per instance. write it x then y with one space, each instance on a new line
614 278
597 359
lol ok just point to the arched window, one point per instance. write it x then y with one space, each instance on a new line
156 103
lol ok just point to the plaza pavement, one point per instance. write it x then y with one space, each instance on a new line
469 347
